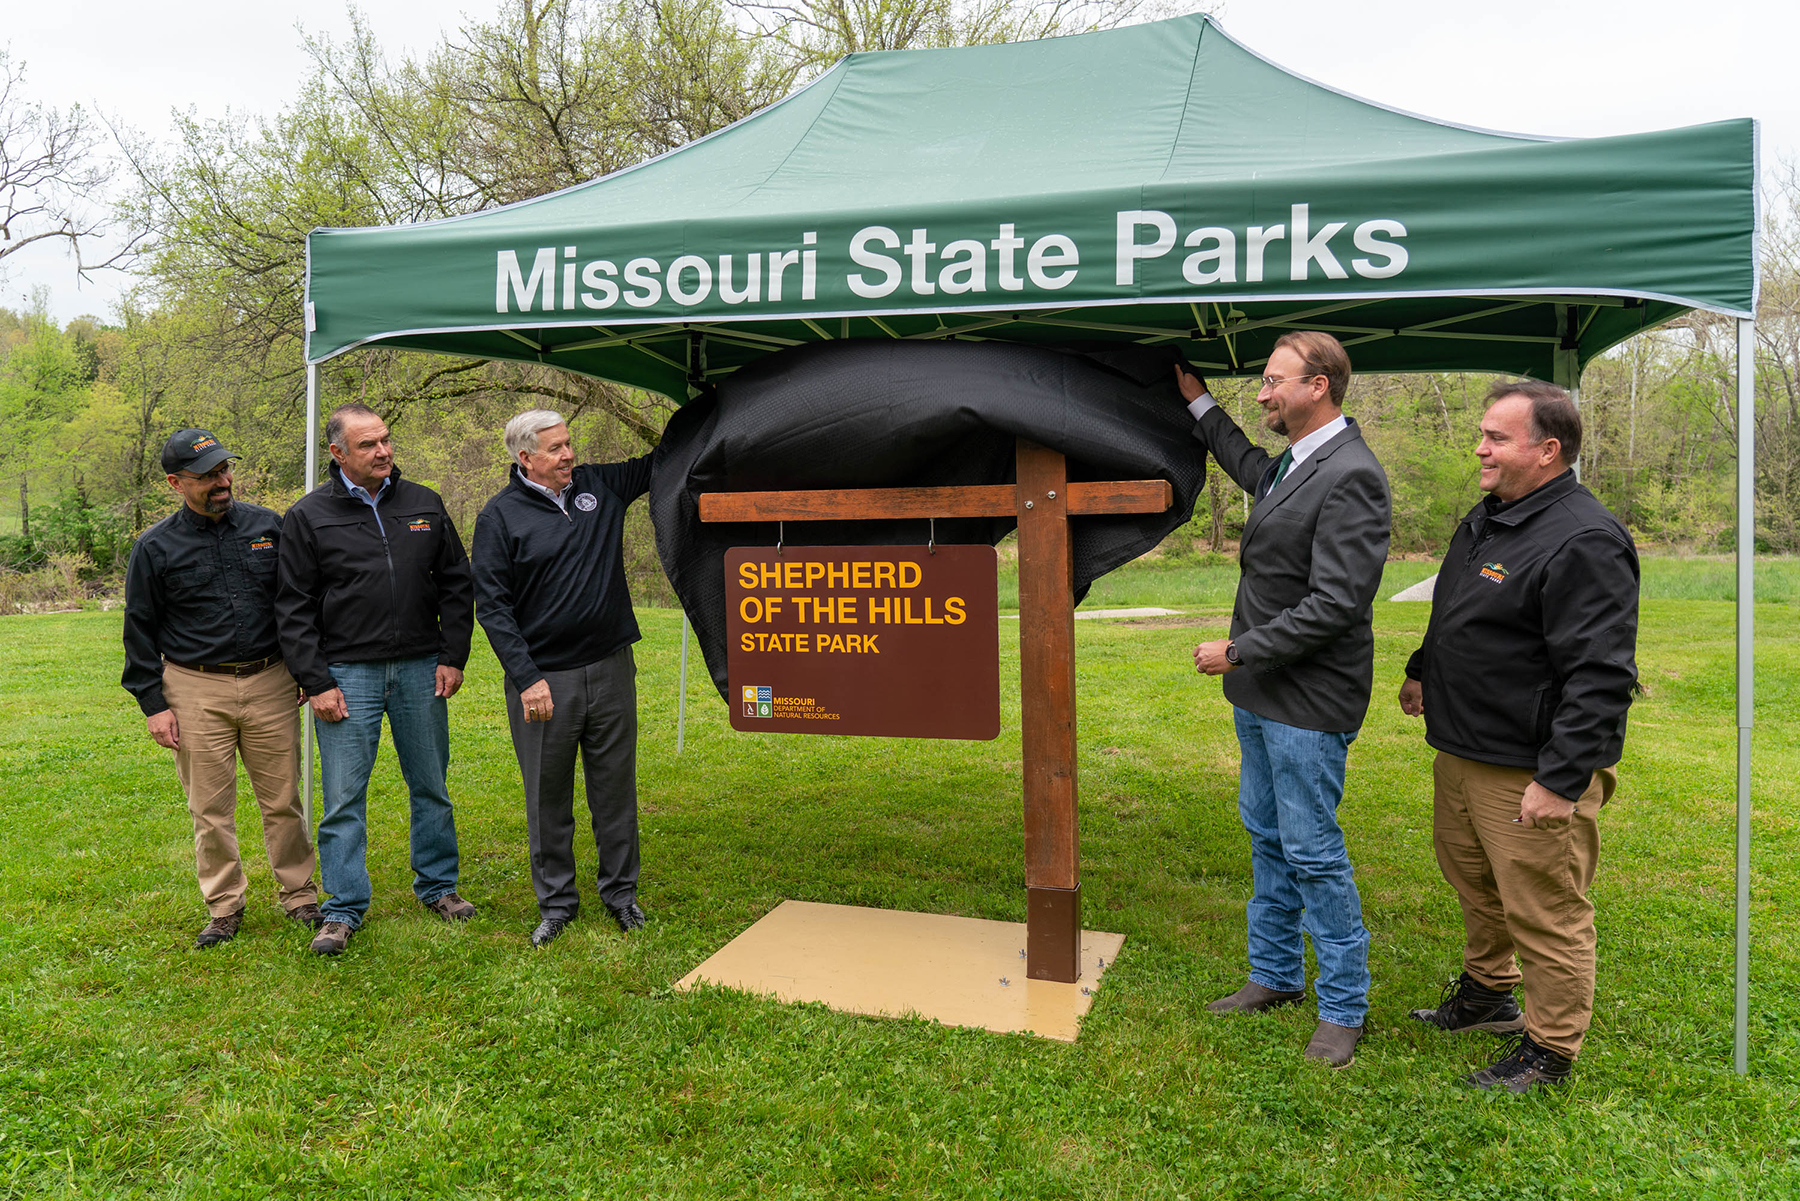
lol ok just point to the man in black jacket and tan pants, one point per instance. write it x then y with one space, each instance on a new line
1524 680
1298 667
552 596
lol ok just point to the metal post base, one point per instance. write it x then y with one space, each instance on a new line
1053 934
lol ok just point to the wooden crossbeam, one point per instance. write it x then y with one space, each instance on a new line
1085 499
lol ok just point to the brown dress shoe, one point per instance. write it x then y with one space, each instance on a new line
1335 1044
332 938
219 929
1254 998
452 908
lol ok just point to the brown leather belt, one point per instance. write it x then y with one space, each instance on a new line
231 669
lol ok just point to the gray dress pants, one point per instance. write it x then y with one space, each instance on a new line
595 714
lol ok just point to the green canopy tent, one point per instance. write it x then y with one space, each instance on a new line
1157 184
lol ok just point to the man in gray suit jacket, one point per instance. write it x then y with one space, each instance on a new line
1298 668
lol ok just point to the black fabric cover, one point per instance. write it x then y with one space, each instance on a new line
877 414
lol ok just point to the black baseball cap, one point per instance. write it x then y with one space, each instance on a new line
193 450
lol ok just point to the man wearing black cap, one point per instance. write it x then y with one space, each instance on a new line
203 661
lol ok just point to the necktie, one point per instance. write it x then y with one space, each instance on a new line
1281 468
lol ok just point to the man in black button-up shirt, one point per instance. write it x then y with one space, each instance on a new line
201 658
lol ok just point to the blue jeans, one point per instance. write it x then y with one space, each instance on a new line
405 690
1288 793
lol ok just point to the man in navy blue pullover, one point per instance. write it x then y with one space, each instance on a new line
551 593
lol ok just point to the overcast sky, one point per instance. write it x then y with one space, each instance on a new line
1570 67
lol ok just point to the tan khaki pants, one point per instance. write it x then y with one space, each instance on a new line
221 717
1523 892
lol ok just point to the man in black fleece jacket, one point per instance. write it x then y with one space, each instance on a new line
551 594
374 613
1524 680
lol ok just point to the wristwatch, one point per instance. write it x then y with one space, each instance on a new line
1231 655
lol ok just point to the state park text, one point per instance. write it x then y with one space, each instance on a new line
900 641
880 261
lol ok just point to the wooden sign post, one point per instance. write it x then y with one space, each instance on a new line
1043 500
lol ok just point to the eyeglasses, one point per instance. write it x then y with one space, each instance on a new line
216 473
1273 381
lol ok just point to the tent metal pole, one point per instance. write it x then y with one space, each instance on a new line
681 703
1746 670
312 473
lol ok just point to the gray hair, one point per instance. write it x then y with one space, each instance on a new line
334 424
522 431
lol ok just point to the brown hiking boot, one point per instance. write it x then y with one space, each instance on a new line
219 929
332 938
451 908
307 915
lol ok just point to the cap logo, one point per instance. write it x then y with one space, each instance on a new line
204 443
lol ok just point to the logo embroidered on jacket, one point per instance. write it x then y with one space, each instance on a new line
1494 571
586 503
420 525
263 544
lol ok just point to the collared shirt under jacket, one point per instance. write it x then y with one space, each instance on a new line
355 590
550 583
1530 656
199 590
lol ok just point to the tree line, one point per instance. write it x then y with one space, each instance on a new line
550 93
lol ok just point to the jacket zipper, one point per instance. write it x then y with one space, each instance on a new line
393 597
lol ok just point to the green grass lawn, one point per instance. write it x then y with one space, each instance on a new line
431 1061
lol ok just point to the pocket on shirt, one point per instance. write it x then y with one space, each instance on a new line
192 583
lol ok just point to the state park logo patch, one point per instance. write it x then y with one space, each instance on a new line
1496 572
263 544
419 525
759 700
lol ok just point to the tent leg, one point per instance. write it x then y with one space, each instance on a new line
681 703
1565 367
1746 670
312 471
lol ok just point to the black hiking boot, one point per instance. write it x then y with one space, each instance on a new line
1468 1004
1522 1067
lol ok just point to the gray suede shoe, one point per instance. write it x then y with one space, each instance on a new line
1254 998
1335 1044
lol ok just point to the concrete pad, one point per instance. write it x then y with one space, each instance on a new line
961 971
1420 591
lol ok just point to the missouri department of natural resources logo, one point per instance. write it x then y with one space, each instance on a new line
759 700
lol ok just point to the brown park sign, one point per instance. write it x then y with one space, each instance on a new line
900 641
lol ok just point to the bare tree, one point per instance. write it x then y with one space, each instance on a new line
50 170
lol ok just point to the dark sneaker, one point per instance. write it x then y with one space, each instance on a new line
1468 1004
331 939
1334 1044
1522 1066
547 931
1254 998
219 929
628 915
307 915
452 908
